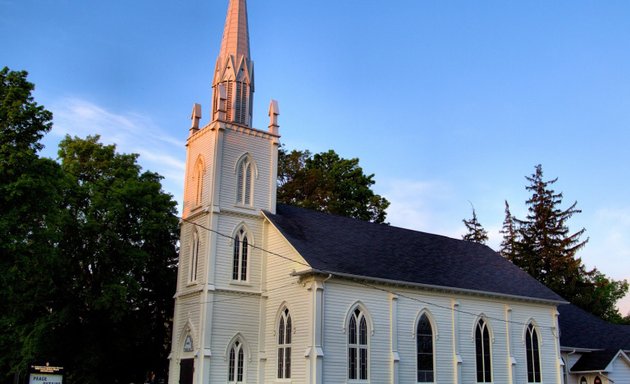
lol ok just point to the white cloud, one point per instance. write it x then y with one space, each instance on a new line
131 132
419 205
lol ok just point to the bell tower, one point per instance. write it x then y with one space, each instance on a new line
230 177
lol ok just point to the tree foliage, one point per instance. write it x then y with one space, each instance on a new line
88 248
475 231
543 246
510 237
329 183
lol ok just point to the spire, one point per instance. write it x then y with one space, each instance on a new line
234 70
235 34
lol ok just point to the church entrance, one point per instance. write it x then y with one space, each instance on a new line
186 371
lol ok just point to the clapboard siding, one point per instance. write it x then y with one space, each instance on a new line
340 296
234 313
236 145
201 145
620 371
228 224
283 289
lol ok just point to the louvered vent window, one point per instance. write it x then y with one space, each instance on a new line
229 101
239 106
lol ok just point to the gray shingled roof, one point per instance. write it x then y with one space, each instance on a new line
347 246
580 329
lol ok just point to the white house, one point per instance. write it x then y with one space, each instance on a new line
594 351
270 293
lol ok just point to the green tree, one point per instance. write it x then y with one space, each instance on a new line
509 244
326 182
476 233
544 247
118 247
87 252
29 220
548 249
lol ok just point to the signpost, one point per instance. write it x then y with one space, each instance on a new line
45 374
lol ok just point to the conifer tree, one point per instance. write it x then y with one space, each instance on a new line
547 248
476 232
509 231
543 246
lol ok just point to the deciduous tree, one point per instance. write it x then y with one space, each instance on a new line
329 183
87 252
29 222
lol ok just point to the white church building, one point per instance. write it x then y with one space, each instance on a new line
269 293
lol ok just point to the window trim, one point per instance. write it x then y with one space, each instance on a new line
369 331
425 313
531 330
193 267
485 330
237 259
250 174
238 338
285 327
198 177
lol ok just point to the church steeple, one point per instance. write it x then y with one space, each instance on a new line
233 83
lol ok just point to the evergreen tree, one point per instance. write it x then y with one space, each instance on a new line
543 246
510 241
547 248
329 183
476 233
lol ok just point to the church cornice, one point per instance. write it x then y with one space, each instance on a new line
433 288
251 131
220 125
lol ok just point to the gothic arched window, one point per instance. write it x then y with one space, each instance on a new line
424 345
482 352
239 268
198 180
194 257
284 345
358 346
533 354
236 364
245 181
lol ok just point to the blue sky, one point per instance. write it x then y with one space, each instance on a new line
448 103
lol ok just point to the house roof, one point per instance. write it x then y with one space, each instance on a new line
596 361
581 329
335 244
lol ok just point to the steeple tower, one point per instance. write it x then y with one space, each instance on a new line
233 83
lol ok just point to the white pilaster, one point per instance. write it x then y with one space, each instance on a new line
457 357
393 336
315 351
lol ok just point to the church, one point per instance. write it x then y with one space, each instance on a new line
269 293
